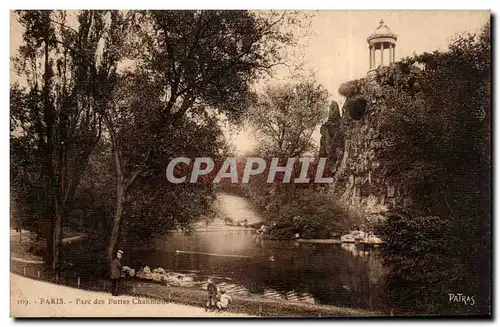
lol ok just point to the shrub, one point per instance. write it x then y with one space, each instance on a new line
350 89
279 233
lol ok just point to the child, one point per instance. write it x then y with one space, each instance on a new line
212 293
224 300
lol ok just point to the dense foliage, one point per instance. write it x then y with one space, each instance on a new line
67 76
438 121
106 98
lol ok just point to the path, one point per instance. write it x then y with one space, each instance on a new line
39 295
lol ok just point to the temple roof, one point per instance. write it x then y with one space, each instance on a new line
382 31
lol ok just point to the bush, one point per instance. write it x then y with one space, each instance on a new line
285 233
420 252
312 213
350 89
315 226
38 248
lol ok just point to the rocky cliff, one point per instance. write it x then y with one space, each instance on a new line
354 144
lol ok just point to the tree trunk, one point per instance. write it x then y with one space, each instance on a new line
56 257
120 194
48 157
115 233
49 236
122 186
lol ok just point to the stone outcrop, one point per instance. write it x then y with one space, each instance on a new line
332 140
354 145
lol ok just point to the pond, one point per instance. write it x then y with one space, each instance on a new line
242 263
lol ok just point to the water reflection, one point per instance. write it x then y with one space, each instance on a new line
341 275
237 208
242 263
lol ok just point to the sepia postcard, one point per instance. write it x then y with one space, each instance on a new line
244 164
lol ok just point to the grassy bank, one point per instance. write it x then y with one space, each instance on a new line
253 305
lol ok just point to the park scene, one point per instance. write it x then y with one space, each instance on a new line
239 163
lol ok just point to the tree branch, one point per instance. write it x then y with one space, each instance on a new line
136 173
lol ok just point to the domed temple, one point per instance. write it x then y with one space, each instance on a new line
383 40
355 143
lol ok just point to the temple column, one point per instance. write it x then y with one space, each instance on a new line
373 57
382 54
394 52
370 62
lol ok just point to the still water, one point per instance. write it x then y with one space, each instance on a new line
242 263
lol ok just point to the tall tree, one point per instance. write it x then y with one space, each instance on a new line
68 61
284 117
192 64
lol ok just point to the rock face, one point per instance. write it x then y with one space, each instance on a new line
332 139
354 145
